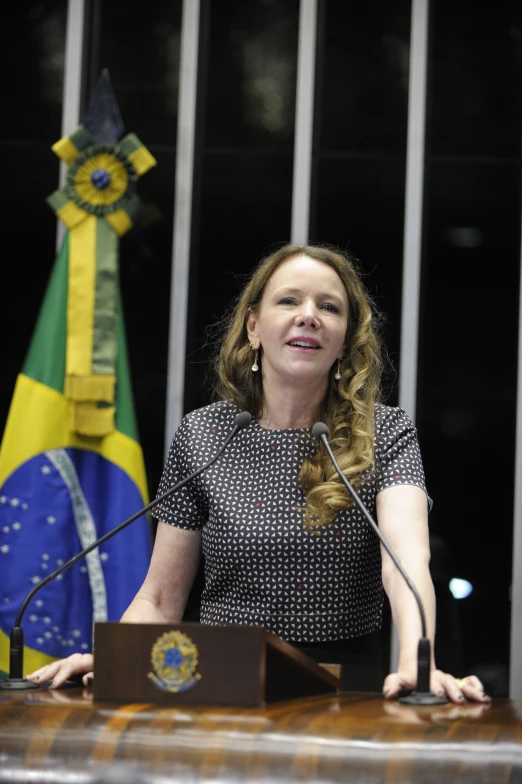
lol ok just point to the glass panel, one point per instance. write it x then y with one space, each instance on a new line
243 186
250 81
140 43
145 271
363 70
240 222
27 265
31 123
360 207
466 405
146 89
360 147
476 86
33 47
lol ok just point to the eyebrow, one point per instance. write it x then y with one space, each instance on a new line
293 290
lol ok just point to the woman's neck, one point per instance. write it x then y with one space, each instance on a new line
288 407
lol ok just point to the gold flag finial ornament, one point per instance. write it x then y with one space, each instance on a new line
98 204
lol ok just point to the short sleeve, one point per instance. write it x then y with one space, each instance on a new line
397 453
186 508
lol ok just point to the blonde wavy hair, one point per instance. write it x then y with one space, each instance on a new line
348 405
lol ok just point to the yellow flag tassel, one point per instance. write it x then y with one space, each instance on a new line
89 388
88 419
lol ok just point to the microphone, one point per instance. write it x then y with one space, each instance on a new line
422 695
16 650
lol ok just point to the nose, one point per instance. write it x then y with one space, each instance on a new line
308 315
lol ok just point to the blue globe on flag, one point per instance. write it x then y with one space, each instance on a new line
52 507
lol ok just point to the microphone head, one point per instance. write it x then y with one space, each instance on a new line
243 420
320 429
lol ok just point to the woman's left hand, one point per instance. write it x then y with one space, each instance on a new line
441 683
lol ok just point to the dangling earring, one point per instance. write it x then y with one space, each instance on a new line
337 376
255 366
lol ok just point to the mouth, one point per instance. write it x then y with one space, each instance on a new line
304 344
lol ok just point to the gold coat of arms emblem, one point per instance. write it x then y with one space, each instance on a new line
174 660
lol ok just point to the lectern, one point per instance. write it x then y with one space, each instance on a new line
193 664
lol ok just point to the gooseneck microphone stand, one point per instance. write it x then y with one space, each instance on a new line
422 695
16 651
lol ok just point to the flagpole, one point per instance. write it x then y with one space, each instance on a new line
72 86
182 216
413 216
304 125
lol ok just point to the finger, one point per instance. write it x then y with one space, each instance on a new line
74 664
472 680
470 688
452 689
460 689
63 674
473 689
438 683
45 673
88 678
391 686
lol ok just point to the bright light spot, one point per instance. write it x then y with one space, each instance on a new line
460 588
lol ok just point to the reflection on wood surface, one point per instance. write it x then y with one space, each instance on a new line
63 736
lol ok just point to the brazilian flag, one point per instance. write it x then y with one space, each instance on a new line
59 491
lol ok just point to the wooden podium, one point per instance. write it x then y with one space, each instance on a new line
243 666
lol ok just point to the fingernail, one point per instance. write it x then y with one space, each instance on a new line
441 693
486 695
36 678
460 698
89 681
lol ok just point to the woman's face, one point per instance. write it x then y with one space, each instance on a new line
301 321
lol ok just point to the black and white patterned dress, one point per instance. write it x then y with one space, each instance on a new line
262 567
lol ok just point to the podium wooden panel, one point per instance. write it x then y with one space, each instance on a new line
63 737
243 666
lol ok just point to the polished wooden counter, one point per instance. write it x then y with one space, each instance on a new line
62 737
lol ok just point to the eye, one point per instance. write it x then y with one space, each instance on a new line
286 301
330 307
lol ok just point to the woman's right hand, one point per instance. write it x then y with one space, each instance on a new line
60 671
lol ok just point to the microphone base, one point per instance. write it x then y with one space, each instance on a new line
423 698
17 684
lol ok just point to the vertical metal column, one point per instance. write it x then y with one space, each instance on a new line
515 670
413 223
74 41
182 214
304 109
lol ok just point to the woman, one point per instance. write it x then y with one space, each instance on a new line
284 546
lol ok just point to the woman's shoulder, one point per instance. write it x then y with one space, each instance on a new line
219 414
391 418
204 425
